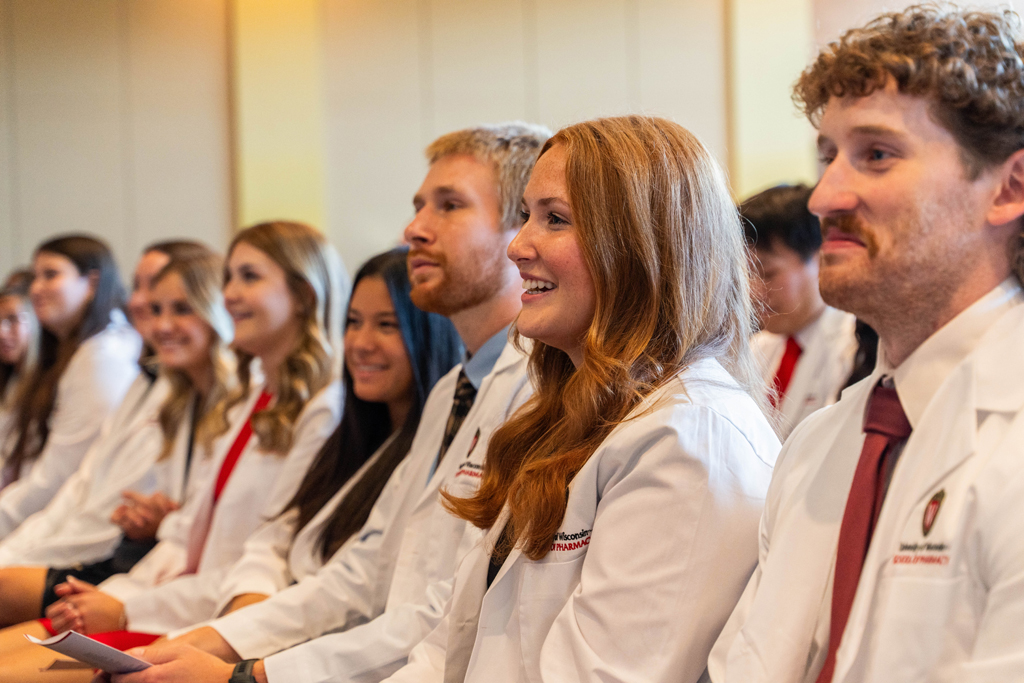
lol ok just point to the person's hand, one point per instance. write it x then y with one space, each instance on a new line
175 662
85 608
139 516
207 639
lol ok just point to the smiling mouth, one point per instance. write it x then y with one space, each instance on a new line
533 286
837 235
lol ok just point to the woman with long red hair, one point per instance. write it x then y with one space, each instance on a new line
622 501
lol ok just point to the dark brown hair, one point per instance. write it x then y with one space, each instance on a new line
38 392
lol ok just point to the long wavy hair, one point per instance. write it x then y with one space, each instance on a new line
662 240
38 392
433 347
317 280
201 274
16 287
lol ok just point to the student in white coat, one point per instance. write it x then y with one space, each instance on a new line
88 357
283 290
192 329
19 344
386 589
805 348
888 557
622 501
76 527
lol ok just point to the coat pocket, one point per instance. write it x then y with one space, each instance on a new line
546 589
915 631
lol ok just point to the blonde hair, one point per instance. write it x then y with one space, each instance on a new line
511 148
200 275
319 283
662 240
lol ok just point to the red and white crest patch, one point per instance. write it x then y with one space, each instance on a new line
931 511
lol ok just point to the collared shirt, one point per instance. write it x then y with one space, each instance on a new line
479 365
829 345
923 372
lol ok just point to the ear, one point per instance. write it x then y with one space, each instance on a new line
1008 204
94 282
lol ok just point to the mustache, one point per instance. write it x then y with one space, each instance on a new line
847 223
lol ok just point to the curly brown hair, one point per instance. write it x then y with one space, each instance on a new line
968 63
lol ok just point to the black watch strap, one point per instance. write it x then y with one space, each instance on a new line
243 672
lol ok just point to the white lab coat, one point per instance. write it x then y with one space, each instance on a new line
942 604
829 346
658 539
75 526
397 574
275 556
261 484
91 388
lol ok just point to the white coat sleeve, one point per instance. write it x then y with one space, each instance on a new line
348 590
998 648
92 386
370 651
192 599
673 543
425 663
32 537
263 567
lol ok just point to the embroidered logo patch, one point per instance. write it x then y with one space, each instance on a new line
931 511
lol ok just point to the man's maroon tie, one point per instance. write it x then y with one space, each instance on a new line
785 371
885 426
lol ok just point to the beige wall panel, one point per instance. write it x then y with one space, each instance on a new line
179 153
68 97
682 68
9 239
586 52
834 17
482 44
375 129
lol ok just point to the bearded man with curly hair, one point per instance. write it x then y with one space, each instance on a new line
891 546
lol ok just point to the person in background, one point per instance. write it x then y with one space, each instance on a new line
891 547
74 534
88 357
19 344
189 333
806 348
285 289
384 591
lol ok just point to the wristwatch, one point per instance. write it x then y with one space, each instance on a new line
243 672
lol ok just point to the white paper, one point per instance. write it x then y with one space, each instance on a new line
97 655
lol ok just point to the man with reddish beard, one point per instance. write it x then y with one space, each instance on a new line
890 546
385 589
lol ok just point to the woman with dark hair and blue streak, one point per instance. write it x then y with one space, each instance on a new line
394 354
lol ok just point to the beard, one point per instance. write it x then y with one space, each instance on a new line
917 269
457 289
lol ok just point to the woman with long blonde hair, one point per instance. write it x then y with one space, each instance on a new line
285 289
622 500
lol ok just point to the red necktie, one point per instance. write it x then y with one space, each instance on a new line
885 426
785 371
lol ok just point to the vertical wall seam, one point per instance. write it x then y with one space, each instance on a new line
130 225
14 211
531 61
729 83
634 89
426 70
231 120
